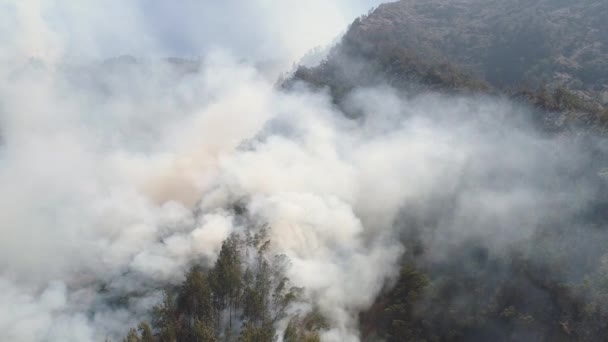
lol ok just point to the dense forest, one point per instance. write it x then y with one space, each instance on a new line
241 298
549 53
479 295
552 287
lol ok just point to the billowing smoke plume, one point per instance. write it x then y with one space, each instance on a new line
116 176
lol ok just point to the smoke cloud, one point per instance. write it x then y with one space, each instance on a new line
271 34
117 177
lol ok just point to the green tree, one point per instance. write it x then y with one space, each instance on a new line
132 336
203 332
283 293
305 329
226 276
258 284
165 318
260 294
145 331
254 333
194 299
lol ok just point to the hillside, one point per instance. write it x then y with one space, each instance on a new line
553 53
439 174
550 55
506 42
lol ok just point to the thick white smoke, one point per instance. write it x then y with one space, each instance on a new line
117 176
272 34
101 185
103 173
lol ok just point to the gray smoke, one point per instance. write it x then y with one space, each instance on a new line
117 177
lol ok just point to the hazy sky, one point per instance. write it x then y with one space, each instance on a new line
252 29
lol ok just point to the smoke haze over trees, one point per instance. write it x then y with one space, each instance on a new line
440 174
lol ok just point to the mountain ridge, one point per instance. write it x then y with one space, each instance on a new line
550 54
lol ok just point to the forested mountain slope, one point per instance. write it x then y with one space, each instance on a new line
507 244
550 54
553 53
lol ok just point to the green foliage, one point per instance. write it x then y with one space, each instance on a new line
578 111
203 332
226 276
475 295
256 293
132 336
403 298
142 334
258 333
194 298
567 100
165 318
305 329
382 61
145 331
